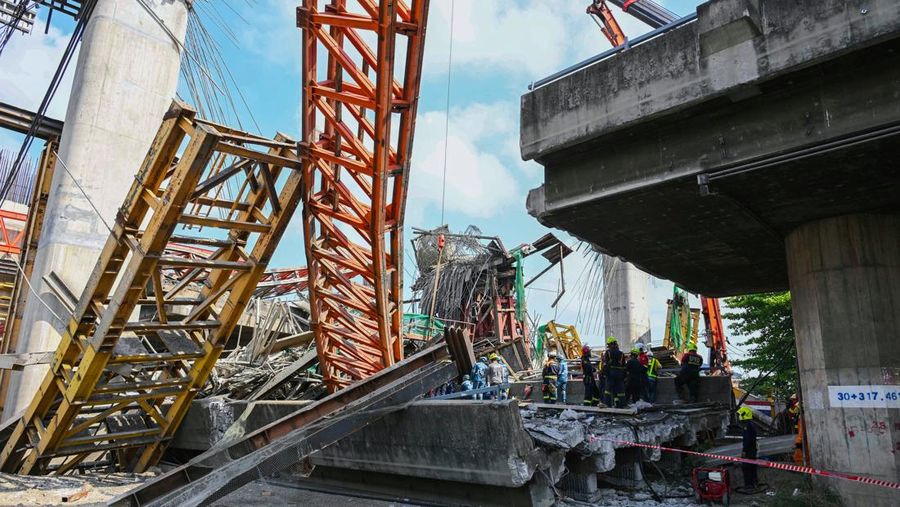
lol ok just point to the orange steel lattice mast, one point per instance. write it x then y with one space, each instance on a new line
359 108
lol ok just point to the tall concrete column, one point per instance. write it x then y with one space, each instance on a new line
845 287
626 313
125 79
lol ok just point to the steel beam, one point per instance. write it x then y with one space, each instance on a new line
19 120
291 439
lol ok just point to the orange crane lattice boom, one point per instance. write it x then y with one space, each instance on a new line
359 109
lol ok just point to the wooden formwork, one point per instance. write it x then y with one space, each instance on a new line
118 387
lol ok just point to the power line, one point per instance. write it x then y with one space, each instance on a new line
86 11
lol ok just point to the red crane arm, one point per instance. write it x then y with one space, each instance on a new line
361 71
603 16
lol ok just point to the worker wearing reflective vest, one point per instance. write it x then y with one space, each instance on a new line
550 374
749 450
691 362
591 391
614 373
653 367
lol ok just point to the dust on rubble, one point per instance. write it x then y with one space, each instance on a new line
90 489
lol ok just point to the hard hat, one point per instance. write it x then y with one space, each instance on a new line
465 377
610 340
552 353
635 351
482 359
793 396
650 353
493 357
745 414
640 346
692 347
585 350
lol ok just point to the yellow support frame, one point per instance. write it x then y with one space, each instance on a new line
567 338
33 227
118 388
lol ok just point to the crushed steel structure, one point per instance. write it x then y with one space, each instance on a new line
117 388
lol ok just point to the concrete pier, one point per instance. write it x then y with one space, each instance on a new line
718 153
845 285
626 313
125 78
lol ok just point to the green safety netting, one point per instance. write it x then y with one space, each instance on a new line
680 311
423 325
539 342
520 284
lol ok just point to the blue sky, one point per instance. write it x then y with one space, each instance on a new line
499 47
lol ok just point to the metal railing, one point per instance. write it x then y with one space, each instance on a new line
612 52
472 392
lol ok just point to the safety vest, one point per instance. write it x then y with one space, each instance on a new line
652 366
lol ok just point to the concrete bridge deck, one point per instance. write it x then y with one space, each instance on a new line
790 109
755 147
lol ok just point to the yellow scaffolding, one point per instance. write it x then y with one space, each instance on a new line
118 388
566 337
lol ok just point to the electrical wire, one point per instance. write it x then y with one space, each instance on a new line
87 9
80 188
43 303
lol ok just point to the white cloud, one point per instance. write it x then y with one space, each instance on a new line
271 32
497 35
29 62
479 184
528 37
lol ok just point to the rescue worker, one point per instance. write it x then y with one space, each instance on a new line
562 382
745 416
653 367
504 393
636 375
466 385
793 411
495 373
689 375
591 391
614 374
642 356
479 375
550 375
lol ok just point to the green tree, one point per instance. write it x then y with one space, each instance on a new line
768 325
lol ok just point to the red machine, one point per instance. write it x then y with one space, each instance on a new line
711 484
715 331
603 16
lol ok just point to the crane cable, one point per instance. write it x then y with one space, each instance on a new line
447 115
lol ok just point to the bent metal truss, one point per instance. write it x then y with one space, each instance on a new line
361 71
121 381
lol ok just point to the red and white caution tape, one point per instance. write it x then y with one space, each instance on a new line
764 463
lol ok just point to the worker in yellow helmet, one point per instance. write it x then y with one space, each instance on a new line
653 367
689 376
495 376
749 450
636 375
551 376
